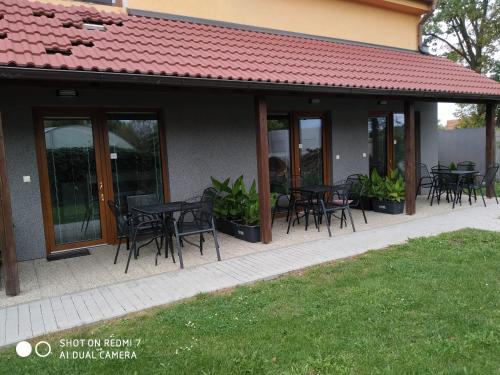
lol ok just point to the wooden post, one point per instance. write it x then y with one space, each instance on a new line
490 142
7 242
263 169
410 164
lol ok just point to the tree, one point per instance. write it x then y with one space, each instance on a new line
468 31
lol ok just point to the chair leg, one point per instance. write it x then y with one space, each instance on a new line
316 221
350 218
496 198
171 241
327 223
214 233
482 196
132 250
272 217
118 249
201 243
291 219
179 251
363 210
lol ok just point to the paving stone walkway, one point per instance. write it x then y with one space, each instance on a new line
28 320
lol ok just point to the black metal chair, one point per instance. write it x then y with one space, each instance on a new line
196 218
141 200
425 179
449 184
145 227
466 166
486 181
358 192
337 200
122 223
281 205
305 202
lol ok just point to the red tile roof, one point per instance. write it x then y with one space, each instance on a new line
48 36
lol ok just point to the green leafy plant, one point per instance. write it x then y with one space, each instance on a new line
251 211
453 166
229 200
377 186
236 202
394 186
389 188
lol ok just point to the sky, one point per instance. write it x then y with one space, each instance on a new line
445 112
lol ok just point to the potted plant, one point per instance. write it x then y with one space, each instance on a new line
228 203
236 210
248 227
363 189
388 193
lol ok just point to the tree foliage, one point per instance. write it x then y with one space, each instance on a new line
468 32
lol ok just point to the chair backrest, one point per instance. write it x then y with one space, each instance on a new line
440 167
466 166
283 201
490 175
200 211
341 193
297 180
120 220
138 201
358 188
209 193
424 171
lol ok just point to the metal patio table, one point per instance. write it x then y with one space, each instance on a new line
459 176
165 211
314 192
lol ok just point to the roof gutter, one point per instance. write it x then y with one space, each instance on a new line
18 73
423 20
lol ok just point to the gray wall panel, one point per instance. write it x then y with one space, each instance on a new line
209 134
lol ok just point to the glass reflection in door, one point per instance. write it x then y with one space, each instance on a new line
399 142
311 150
72 174
134 145
377 144
278 127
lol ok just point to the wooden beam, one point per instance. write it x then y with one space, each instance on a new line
410 164
263 169
490 142
7 242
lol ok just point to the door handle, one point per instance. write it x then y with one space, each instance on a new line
101 188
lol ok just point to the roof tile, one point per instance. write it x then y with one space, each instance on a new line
142 45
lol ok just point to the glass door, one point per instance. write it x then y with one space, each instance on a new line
310 138
135 155
398 121
377 144
278 127
73 191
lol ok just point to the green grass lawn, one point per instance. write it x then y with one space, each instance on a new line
431 306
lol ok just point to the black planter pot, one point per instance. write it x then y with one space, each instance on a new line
246 232
388 207
225 226
366 202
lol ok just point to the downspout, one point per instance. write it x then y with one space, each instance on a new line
420 36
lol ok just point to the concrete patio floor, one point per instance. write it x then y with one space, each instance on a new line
42 279
116 296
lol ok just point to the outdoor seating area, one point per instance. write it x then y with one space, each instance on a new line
41 278
147 221
454 181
